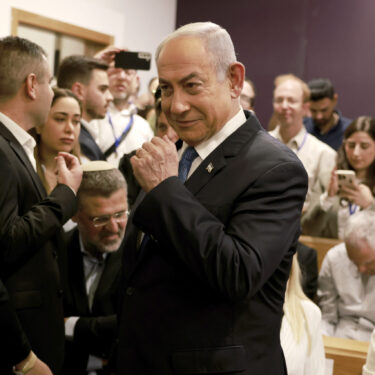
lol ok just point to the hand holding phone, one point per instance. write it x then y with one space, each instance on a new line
346 178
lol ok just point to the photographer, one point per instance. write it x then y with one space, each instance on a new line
122 130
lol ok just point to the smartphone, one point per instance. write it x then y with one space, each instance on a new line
133 60
345 177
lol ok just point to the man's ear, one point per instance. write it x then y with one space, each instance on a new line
236 73
79 90
335 99
31 85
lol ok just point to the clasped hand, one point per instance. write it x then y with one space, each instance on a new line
154 162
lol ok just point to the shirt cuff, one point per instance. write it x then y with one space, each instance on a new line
326 202
70 324
94 363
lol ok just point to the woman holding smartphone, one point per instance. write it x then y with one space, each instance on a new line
346 196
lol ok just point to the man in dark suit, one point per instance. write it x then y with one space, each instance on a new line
203 291
87 78
30 221
93 272
17 348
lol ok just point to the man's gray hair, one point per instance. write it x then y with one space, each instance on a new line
216 40
101 183
361 226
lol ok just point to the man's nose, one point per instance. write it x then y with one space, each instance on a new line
112 225
178 103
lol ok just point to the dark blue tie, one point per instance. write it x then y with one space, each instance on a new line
185 163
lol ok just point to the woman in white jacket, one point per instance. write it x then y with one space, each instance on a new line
300 335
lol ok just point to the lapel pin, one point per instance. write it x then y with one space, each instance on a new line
209 168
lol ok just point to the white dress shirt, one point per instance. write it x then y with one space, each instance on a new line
106 131
23 137
207 146
346 297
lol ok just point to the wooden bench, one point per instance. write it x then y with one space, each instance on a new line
320 244
348 355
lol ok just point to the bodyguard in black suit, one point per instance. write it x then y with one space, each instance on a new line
203 291
93 269
30 221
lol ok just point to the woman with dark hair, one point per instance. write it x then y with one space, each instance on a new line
59 133
332 209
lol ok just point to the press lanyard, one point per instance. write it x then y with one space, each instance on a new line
352 208
303 142
119 139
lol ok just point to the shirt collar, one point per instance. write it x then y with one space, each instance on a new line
22 136
207 146
294 142
91 258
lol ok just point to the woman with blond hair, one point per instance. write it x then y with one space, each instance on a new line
300 335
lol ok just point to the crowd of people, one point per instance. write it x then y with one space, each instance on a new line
159 234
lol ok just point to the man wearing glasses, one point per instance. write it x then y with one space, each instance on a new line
93 268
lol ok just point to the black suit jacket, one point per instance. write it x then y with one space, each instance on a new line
89 147
206 294
16 347
95 331
30 226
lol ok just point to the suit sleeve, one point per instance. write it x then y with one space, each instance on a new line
96 334
23 233
17 347
237 257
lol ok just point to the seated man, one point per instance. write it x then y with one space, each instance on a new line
346 291
93 268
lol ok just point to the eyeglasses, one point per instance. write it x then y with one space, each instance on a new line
100 221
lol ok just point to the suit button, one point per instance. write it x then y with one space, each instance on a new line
55 254
60 292
130 291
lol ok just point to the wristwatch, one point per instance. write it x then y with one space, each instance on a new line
28 365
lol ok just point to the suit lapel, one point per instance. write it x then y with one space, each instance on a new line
21 154
110 272
219 157
76 274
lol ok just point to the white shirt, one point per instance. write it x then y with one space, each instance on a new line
299 361
106 134
23 137
317 157
207 146
346 297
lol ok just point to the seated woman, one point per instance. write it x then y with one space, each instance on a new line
330 211
59 133
300 334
